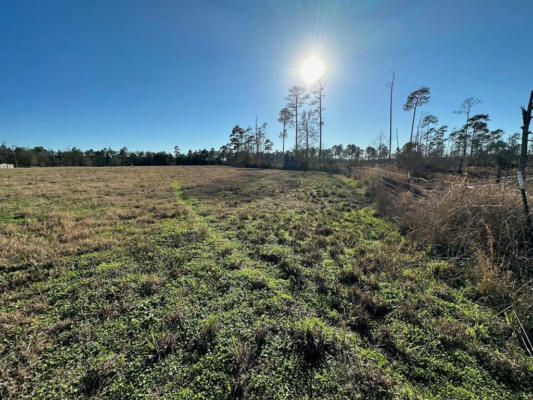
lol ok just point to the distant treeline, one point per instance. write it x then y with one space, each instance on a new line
237 156
245 153
41 157
431 146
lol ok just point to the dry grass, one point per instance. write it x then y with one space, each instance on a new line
464 219
479 227
47 214
50 217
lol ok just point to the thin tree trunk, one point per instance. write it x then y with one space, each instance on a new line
307 148
296 125
284 134
466 132
397 142
320 121
412 126
390 116
526 117
465 140
427 138
472 146
418 138
256 137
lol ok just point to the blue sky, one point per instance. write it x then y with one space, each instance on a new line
153 74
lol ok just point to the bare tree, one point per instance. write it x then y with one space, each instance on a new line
391 86
318 94
308 125
526 119
259 136
416 99
465 109
296 99
397 143
381 148
285 117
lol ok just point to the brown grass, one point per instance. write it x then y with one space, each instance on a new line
479 227
47 214
463 220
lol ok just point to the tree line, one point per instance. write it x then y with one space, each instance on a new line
74 157
431 145
472 144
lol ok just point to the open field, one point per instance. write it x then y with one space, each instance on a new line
224 283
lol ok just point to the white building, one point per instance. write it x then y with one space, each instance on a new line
7 166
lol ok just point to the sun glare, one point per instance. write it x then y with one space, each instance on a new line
312 69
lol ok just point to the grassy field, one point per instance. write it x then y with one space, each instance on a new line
221 283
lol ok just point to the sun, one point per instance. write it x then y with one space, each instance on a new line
312 69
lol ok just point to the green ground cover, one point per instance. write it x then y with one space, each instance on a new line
221 283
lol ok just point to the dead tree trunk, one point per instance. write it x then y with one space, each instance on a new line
320 89
391 85
465 140
526 119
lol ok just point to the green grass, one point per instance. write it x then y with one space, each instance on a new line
257 285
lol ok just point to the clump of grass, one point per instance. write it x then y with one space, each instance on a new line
165 344
97 375
176 319
462 220
207 333
274 253
242 358
493 282
350 275
313 339
151 284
